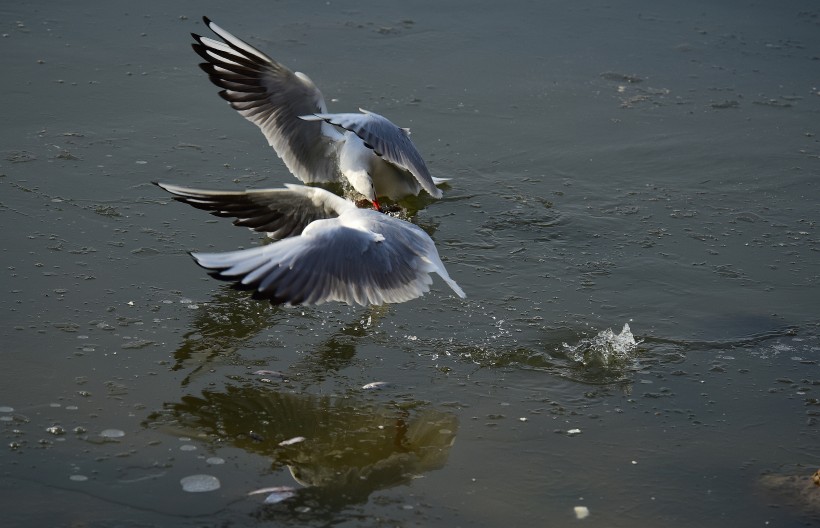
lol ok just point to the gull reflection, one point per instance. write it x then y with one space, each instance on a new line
338 450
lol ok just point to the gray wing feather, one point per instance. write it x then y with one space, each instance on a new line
335 261
281 213
272 97
388 141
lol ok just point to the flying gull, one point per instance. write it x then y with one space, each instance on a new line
373 154
326 248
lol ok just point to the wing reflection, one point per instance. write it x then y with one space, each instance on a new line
232 320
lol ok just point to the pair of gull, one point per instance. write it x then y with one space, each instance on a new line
326 248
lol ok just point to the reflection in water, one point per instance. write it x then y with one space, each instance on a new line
220 328
351 447
232 319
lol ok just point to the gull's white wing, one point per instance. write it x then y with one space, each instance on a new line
361 257
279 212
387 140
272 97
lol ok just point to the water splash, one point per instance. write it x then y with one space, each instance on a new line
607 349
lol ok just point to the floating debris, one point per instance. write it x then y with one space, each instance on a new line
274 373
56 430
726 104
573 432
199 483
291 441
112 433
581 512
621 77
376 385
276 494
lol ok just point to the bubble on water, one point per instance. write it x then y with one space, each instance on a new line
78 478
55 430
187 447
214 461
199 483
112 433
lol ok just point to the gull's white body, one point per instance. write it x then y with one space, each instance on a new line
327 249
374 155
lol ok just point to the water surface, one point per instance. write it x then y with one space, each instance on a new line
611 164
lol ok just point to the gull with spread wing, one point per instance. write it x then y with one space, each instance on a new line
326 248
373 154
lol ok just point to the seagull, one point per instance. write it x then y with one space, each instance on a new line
325 249
373 154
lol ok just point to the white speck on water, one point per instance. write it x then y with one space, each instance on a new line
573 432
199 483
78 478
375 385
112 433
215 461
55 405
6 409
187 447
522 419
142 162
581 512
291 441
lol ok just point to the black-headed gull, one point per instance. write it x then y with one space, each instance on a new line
373 154
327 249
